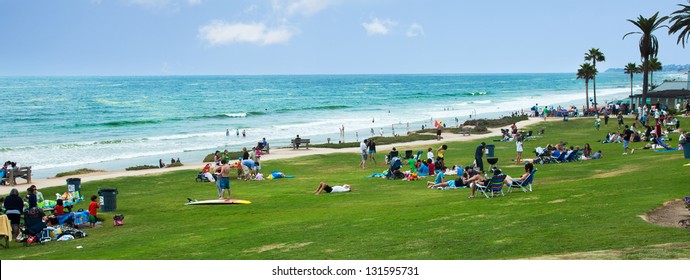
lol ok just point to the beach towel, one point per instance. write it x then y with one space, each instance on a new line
376 175
5 227
666 151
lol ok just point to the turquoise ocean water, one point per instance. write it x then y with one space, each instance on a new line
65 123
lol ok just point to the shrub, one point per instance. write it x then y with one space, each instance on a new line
141 167
77 172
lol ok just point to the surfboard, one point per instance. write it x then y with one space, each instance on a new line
218 201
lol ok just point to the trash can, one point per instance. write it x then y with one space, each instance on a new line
74 184
108 199
686 149
408 154
490 150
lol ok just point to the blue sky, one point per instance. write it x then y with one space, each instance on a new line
199 37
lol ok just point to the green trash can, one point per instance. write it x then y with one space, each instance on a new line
73 184
108 199
686 149
490 150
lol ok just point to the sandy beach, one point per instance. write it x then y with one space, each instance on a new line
275 154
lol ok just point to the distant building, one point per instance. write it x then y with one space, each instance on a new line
669 93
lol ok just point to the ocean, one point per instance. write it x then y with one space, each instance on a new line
64 123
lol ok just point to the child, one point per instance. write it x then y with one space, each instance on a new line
59 209
93 209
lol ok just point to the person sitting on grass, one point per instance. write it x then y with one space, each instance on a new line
59 208
440 176
596 155
323 187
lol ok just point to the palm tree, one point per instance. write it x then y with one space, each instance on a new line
631 69
649 46
681 23
654 65
594 55
587 72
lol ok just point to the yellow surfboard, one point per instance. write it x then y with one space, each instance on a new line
218 201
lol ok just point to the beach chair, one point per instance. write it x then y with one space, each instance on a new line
560 158
524 185
571 156
494 186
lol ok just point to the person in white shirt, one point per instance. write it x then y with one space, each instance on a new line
430 155
363 149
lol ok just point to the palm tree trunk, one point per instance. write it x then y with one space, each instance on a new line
645 79
594 85
631 88
587 95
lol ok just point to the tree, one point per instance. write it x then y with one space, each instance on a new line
654 65
594 55
587 72
631 69
681 23
649 46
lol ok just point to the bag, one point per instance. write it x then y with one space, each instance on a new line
118 220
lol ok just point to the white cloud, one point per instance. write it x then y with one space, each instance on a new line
307 7
193 2
415 30
222 33
378 27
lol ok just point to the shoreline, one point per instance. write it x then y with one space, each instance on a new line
276 154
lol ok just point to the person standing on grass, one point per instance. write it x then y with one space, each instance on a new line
430 154
93 210
606 117
372 150
518 146
627 136
363 152
223 181
478 154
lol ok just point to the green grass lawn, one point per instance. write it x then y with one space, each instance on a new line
576 208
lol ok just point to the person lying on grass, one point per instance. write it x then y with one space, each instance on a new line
323 187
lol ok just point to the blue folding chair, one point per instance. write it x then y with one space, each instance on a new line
525 184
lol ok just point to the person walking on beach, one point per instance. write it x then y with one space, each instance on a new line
438 132
382 132
518 145
372 132
363 152
227 132
478 154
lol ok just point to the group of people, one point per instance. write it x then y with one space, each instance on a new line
14 206
4 171
248 167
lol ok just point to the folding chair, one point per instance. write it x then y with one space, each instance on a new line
495 185
525 184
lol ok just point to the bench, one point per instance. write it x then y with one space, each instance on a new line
466 131
296 142
13 174
264 148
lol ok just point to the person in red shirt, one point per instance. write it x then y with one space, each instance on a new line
59 209
93 210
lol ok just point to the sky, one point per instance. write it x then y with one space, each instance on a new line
265 37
